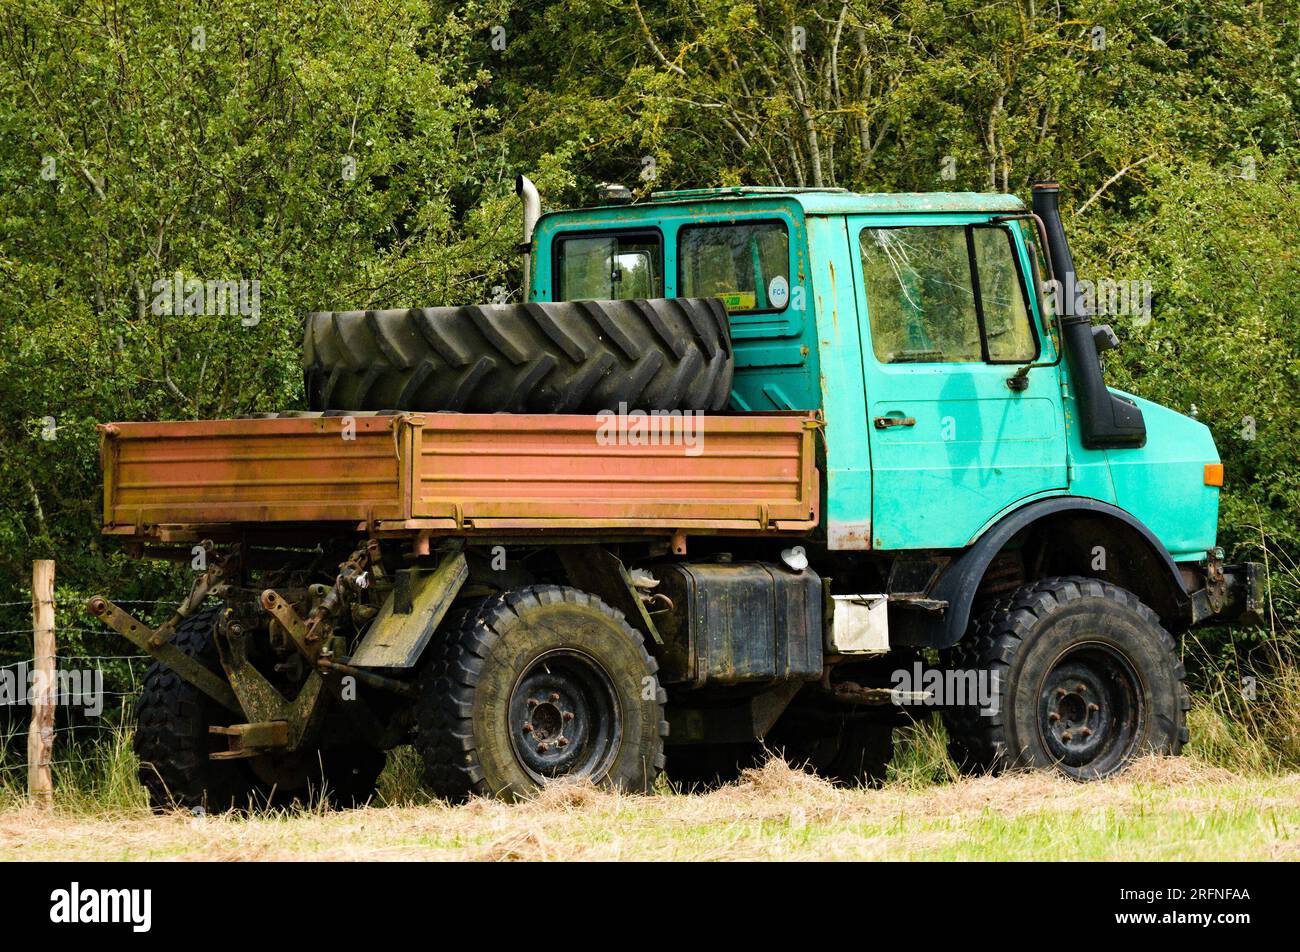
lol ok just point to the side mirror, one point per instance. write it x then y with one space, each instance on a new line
1104 338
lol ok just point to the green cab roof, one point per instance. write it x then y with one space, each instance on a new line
837 201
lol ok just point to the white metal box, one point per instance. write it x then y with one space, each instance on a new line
860 625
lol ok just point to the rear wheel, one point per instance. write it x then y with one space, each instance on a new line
1081 678
173 744
536 685
172 741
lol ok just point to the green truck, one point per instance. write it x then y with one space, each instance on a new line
748 468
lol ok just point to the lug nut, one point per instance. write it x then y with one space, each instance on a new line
528 728
532 702
1053 717
1087 732
1060 692
1093 709
562 742
568 715
542 747
1081 688
1067 736
555 696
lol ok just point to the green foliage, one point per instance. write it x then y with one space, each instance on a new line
222 154
333 154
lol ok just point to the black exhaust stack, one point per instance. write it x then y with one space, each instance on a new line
1105 420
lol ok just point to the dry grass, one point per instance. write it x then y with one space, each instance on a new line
1236 795
1161 809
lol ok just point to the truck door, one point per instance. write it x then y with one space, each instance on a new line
947 318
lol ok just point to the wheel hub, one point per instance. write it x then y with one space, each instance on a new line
563 717
1090 713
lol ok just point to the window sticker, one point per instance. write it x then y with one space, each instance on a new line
778 291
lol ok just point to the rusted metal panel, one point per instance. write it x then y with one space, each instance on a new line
848 535
206 472
499 471
443 473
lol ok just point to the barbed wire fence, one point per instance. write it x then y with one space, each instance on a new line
96 682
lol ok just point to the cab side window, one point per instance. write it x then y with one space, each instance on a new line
746 264
1007 328
945 294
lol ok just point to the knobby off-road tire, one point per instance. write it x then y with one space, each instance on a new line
541 683
1087 679
552 357
172 743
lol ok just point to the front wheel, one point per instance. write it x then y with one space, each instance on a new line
537 685
1072 674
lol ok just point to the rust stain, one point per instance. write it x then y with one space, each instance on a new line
835 316
848 535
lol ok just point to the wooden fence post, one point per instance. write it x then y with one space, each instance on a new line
40 737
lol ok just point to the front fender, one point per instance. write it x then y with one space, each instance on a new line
960 582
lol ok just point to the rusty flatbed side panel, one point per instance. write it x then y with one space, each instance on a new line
207 472
531 471
463 473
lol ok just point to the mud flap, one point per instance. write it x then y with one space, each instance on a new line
398 635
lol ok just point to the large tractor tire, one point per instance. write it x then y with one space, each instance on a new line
1083 679
561 357
173 741
539 684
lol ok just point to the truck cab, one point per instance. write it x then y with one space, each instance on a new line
924 328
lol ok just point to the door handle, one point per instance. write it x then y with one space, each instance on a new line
885 422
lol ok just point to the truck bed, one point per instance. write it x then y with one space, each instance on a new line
461 474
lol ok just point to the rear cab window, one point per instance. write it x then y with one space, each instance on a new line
751 255
749 252
746 264
613 266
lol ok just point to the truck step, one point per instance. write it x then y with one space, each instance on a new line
918 601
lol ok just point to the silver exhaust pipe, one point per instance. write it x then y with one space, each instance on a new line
527 191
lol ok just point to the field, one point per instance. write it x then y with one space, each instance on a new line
1234 795
1160 809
